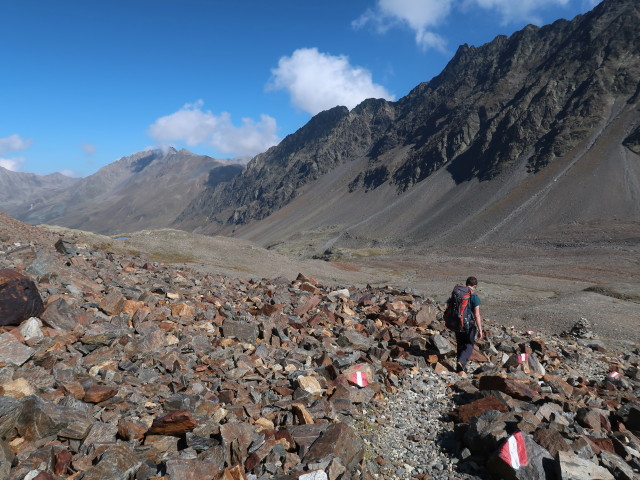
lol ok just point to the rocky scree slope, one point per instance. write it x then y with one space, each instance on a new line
132 369
523 102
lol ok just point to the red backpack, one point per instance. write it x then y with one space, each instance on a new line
458 313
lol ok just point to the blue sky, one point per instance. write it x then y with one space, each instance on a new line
86 82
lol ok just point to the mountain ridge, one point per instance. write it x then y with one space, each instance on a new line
145 190
518 104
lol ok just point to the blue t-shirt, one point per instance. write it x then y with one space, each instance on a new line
474 301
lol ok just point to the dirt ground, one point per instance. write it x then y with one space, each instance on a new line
541 289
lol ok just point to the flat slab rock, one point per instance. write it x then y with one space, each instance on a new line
570 466
12 351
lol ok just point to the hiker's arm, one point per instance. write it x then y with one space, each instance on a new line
478 317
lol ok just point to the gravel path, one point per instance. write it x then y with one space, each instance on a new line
409 433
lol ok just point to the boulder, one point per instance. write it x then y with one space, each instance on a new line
19 298
338 441
519 457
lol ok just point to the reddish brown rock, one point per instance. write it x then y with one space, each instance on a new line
235 473
478 356
182 310
174 423
308 305
559 385
19 298
600 444
112 304
99 393
466 412
185 469
131 430
513 388
552 440
130 307
62 461
339 440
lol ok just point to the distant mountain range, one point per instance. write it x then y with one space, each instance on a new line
145 190
521 138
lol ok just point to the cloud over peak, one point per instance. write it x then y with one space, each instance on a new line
424 17
193 126
318 81
419 15
11 144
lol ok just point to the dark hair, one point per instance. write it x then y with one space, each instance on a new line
472 282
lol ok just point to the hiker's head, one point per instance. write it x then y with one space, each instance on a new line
472 282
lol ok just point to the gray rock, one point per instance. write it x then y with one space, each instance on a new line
10 410
12 351
570 466
441 344
617 466
242 331
119 462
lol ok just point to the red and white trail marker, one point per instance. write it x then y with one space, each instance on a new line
614 375
360 378
514 451
523 357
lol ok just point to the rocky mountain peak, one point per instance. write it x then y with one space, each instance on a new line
500 112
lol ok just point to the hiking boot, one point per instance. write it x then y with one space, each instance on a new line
459 368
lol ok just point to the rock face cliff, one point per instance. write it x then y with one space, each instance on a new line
499 125
145 190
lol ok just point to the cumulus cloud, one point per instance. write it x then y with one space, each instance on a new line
12 164
13 143
194 126
317 81
518 11
419 15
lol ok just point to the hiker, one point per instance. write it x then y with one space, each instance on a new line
472 330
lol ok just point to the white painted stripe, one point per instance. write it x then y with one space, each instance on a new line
513 452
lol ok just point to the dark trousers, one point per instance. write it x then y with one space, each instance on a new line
464 344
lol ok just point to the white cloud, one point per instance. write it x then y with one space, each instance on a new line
88 149
13 143
418 15
12 164
512 11
317 81
424 17
194 126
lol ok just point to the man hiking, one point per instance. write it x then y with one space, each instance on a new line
471 328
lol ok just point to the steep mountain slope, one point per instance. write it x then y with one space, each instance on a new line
511 138
19 189
145 190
